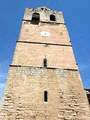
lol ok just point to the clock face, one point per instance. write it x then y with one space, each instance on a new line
45 33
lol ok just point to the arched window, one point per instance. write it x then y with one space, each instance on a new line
35 18
52 17
45 62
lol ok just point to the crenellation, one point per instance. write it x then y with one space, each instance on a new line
44 14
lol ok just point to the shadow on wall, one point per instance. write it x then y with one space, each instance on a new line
88 94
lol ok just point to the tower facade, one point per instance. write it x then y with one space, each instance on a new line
44 82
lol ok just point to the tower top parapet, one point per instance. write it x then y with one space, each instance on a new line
46 14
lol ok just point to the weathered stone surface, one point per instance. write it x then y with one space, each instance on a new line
24 98
54 54
28 79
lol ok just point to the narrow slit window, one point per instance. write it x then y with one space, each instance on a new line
45 96
35 18
52 17
45 62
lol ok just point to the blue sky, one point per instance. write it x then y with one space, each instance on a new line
77 18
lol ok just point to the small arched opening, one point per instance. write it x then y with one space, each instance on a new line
35 18
52 17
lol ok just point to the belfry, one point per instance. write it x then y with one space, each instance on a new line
43 80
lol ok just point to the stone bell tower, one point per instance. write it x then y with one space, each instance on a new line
44 82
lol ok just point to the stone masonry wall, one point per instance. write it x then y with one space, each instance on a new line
24 96
35 53
58 33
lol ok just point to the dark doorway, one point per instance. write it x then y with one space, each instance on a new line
35 18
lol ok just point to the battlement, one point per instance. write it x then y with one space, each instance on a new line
44 14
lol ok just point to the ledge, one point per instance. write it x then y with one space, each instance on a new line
44 43
43 67
48 22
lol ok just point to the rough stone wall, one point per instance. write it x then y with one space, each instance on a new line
24 96
57 33
55 55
